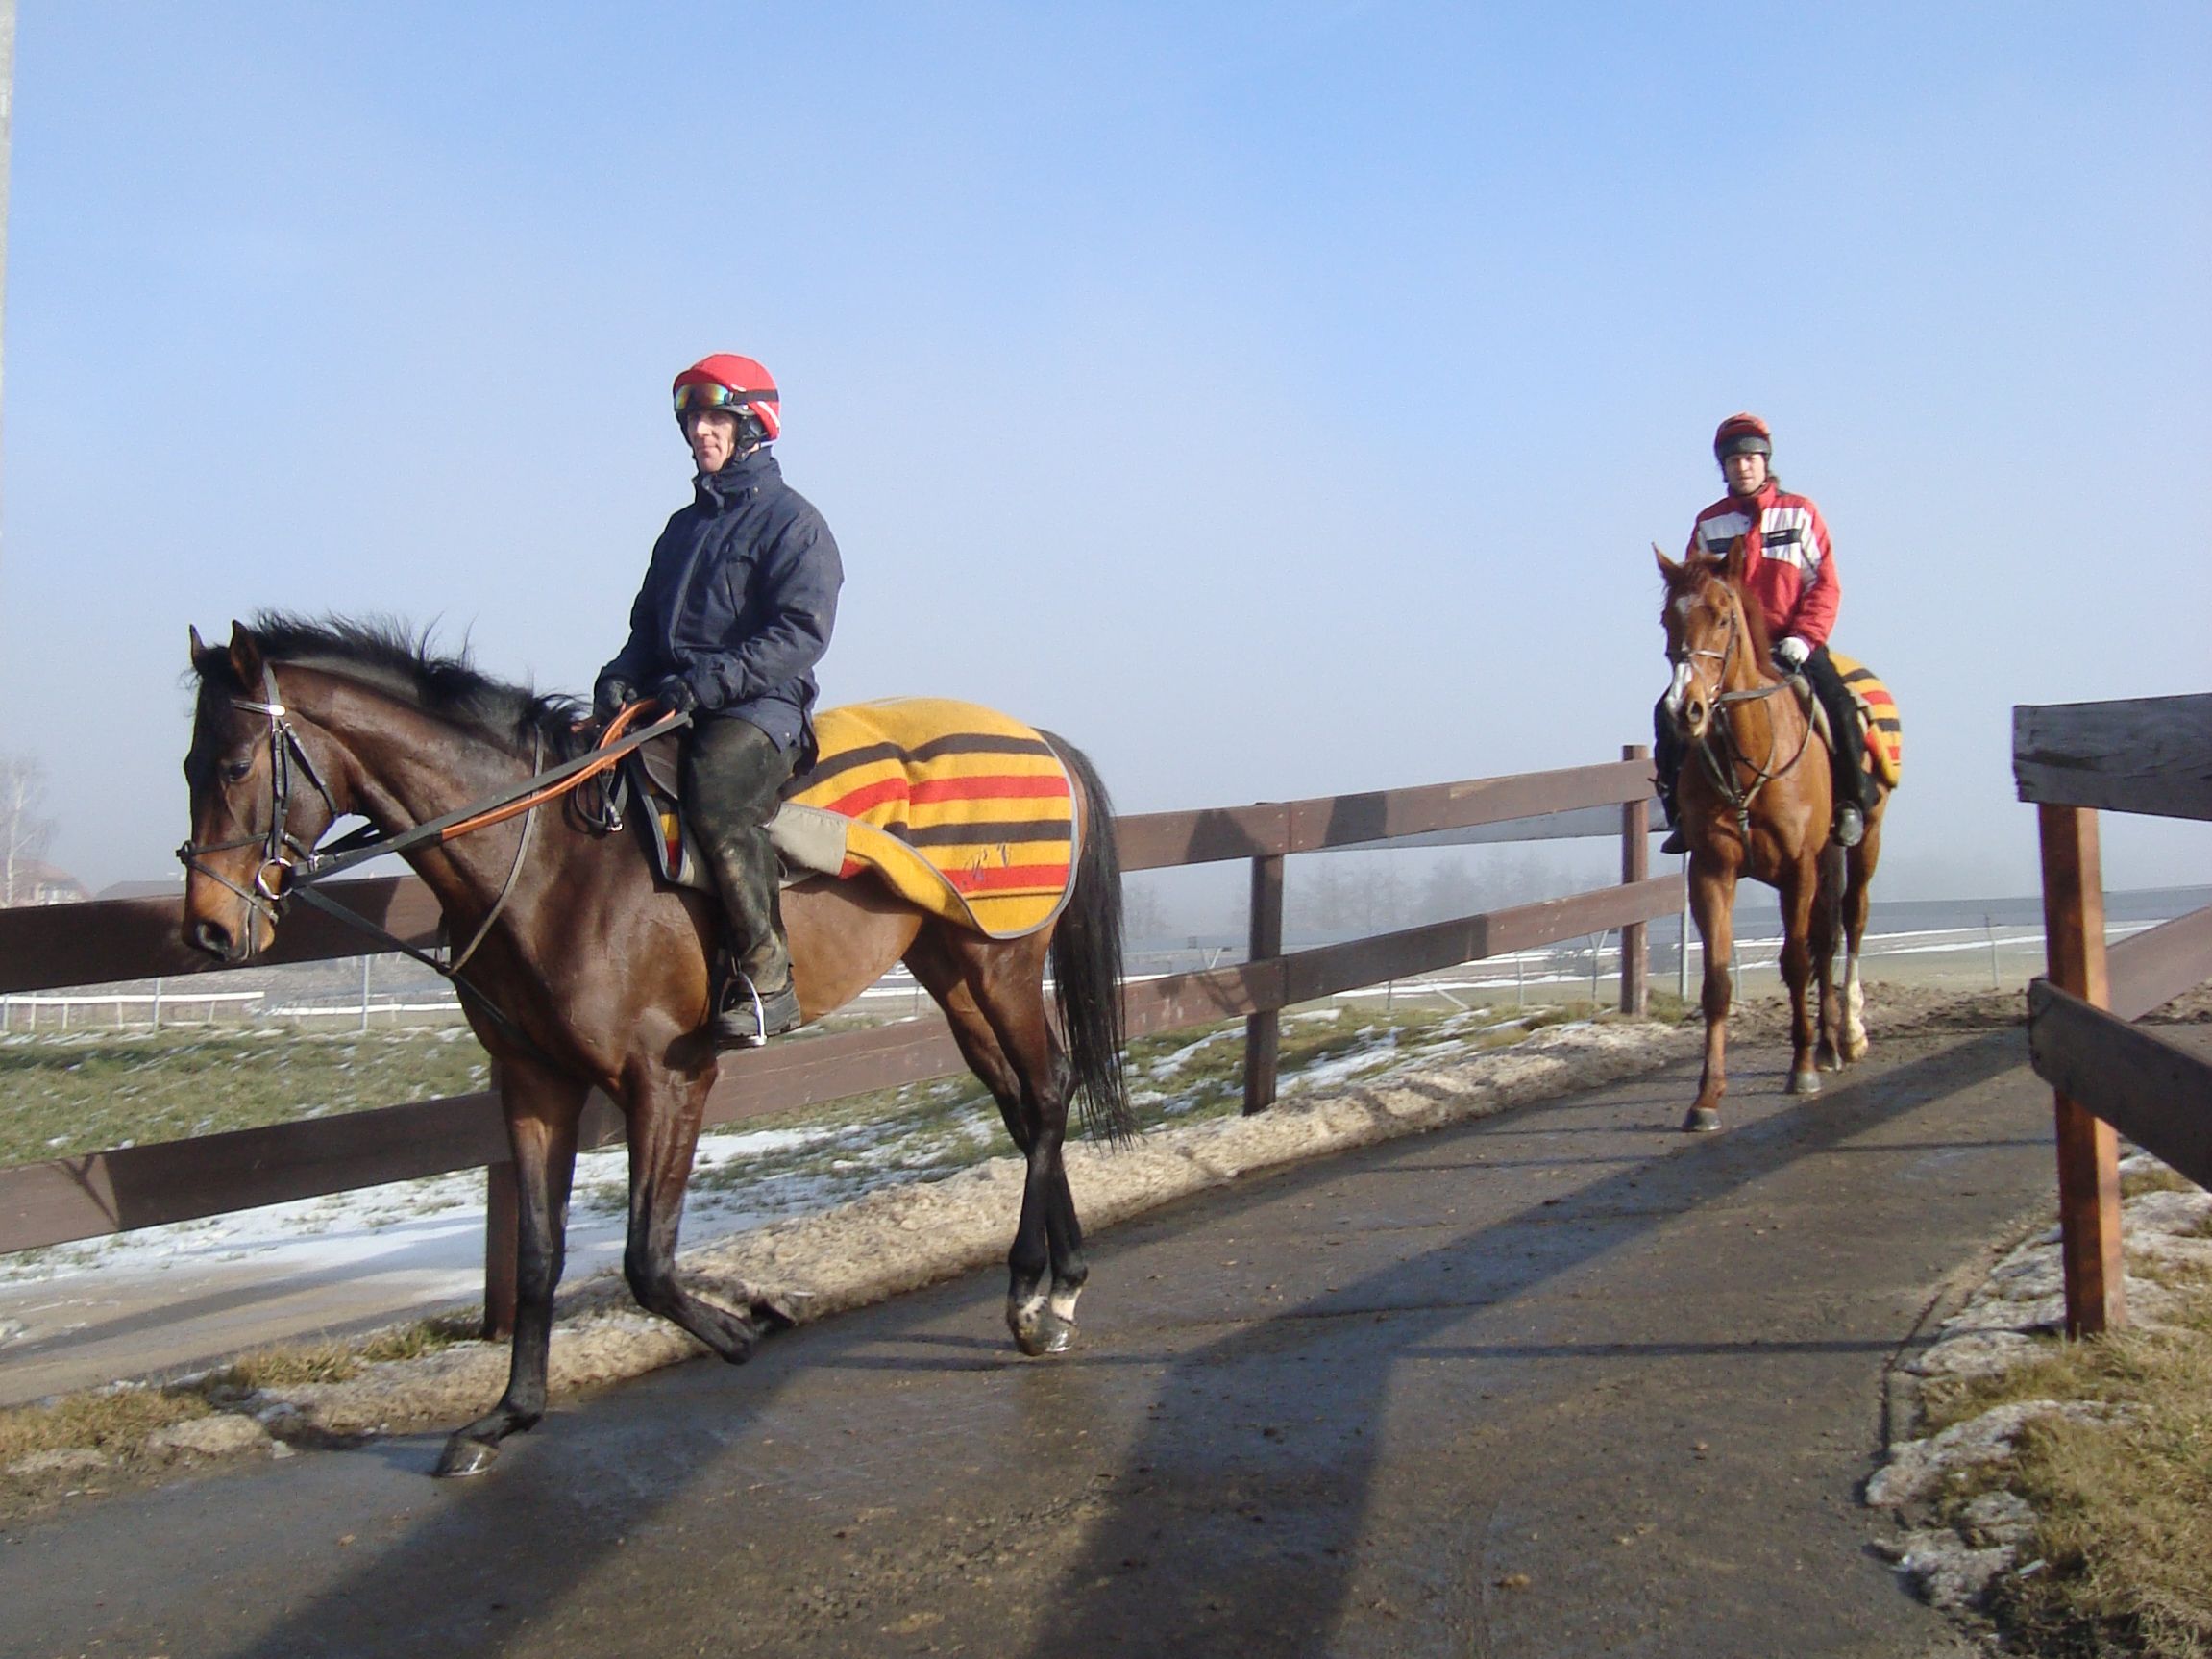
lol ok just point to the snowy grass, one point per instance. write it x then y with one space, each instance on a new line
2122 1550
741 1178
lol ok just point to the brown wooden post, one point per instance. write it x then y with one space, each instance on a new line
502 1236
1262 1031
2088 1153
1635 866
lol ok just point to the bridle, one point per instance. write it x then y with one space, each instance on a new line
282 851
1717 749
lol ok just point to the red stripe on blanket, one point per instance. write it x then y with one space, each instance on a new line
856 804
1039 877
867 795
1013 788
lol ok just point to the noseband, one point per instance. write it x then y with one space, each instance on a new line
281 849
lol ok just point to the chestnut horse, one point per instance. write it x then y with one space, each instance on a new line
587 971
1755 798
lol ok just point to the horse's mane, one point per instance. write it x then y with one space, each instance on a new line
385 654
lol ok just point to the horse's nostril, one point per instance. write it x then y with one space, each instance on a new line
212 938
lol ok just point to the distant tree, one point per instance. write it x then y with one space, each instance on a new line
1143 918
25 832
1324 899
1449 890
1381 895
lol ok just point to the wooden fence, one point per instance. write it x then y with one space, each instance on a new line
2150 756
103 942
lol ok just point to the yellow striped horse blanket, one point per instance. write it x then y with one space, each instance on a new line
1877 709
963 811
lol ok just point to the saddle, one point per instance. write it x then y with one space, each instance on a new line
961 811
807 840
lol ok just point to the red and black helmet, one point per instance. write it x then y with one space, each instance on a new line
1742 434
726 381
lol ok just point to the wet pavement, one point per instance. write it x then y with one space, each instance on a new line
1560 1382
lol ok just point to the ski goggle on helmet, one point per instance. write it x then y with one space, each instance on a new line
726 381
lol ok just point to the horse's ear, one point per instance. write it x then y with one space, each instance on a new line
1667 566
245 655
199 645
1737 558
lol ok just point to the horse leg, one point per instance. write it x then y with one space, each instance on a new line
997 1004
1712 902
1857 895
1827 929
1799 892
665 1109
542 1110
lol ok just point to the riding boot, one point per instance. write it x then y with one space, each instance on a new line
1666 774
733 774
1847 756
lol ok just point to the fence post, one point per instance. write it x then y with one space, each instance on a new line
502 1236
1263 1031
2088 1153
1636 865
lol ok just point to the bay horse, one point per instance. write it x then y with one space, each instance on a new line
1755 798
587 971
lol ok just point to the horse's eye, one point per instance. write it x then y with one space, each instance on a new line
235 771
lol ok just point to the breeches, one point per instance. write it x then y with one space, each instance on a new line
732 775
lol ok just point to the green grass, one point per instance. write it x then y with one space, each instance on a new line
64 1094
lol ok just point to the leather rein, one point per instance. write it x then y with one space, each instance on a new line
290 868
1724 759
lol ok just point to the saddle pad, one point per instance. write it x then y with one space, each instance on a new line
1884 731
963 811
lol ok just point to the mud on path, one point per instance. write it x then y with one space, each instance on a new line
1559 1380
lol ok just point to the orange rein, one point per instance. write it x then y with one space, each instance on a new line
630 716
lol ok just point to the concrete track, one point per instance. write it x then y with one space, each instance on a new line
1560 1382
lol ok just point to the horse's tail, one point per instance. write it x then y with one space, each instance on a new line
1086 961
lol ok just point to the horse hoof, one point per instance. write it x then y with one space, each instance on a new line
1048 1334
1827 1059
464 1457
1700 1121
1805 1082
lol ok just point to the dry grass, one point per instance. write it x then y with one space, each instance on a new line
2126 1507
2153 1179
336 1359
115 1419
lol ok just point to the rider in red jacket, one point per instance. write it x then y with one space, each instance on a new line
1790 572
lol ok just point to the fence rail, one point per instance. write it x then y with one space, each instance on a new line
63 1199
2149 755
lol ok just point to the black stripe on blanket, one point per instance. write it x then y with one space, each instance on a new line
958 743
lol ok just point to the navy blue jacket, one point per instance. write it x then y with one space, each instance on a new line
739 600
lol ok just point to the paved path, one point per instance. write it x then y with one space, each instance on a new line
1561 1382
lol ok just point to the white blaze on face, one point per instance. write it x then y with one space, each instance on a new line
1678 689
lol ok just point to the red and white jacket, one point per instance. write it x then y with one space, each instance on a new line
1788 565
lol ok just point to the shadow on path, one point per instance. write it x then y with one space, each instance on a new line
1287 1595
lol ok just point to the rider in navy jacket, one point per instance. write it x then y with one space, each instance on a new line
738 601
735 611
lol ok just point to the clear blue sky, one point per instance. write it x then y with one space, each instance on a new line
1275 399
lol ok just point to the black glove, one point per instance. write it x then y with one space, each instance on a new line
674 695
611 696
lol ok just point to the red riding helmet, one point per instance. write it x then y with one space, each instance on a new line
726 381
1742 434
